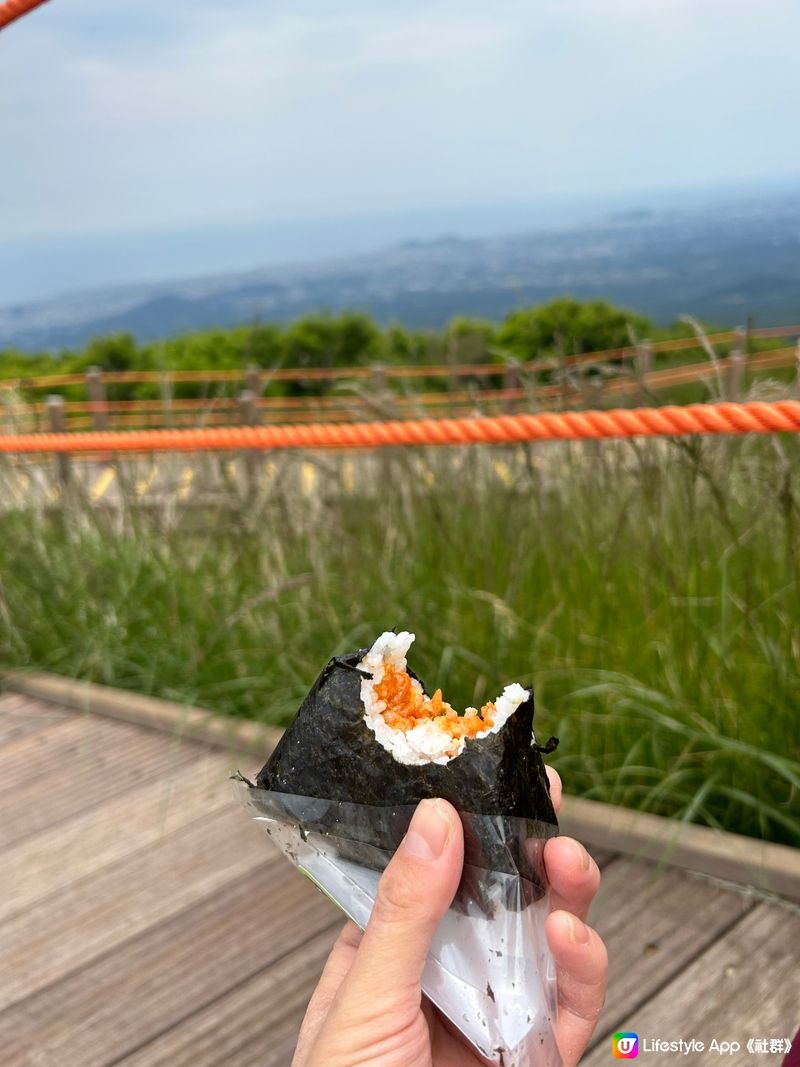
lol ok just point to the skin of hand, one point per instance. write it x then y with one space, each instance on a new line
368 1009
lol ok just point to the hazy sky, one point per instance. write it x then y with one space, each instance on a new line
154 115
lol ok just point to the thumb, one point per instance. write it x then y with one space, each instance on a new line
414 892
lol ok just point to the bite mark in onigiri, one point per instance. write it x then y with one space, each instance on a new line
415 728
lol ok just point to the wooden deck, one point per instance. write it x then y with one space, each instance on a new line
145 921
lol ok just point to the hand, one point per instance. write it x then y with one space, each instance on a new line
368 1008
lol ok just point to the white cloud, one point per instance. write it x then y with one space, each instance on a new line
142 112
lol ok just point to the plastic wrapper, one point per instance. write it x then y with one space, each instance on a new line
489 971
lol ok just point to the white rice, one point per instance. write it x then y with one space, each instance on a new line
427 742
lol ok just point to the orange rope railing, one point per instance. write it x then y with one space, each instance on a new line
15 9
780 416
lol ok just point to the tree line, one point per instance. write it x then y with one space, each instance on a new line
563 326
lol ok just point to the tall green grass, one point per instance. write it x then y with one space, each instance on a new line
649 590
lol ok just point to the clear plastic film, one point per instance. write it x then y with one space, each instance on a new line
490 970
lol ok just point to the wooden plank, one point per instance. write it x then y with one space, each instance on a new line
128 997
15 701
20 715
654 922
74 925
77 742
255 1023
732 857
200 724
73 772
38 754
47 862
746 984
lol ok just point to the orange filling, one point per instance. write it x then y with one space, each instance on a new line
406 708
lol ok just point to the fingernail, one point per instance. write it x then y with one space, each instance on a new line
428 832
578 931
581 855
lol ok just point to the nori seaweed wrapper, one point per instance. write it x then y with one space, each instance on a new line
330 753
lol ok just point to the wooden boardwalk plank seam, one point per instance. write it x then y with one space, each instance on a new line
51 860
20 715
78 765
743 984
254 1021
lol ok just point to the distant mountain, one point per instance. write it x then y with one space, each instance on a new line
720 264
